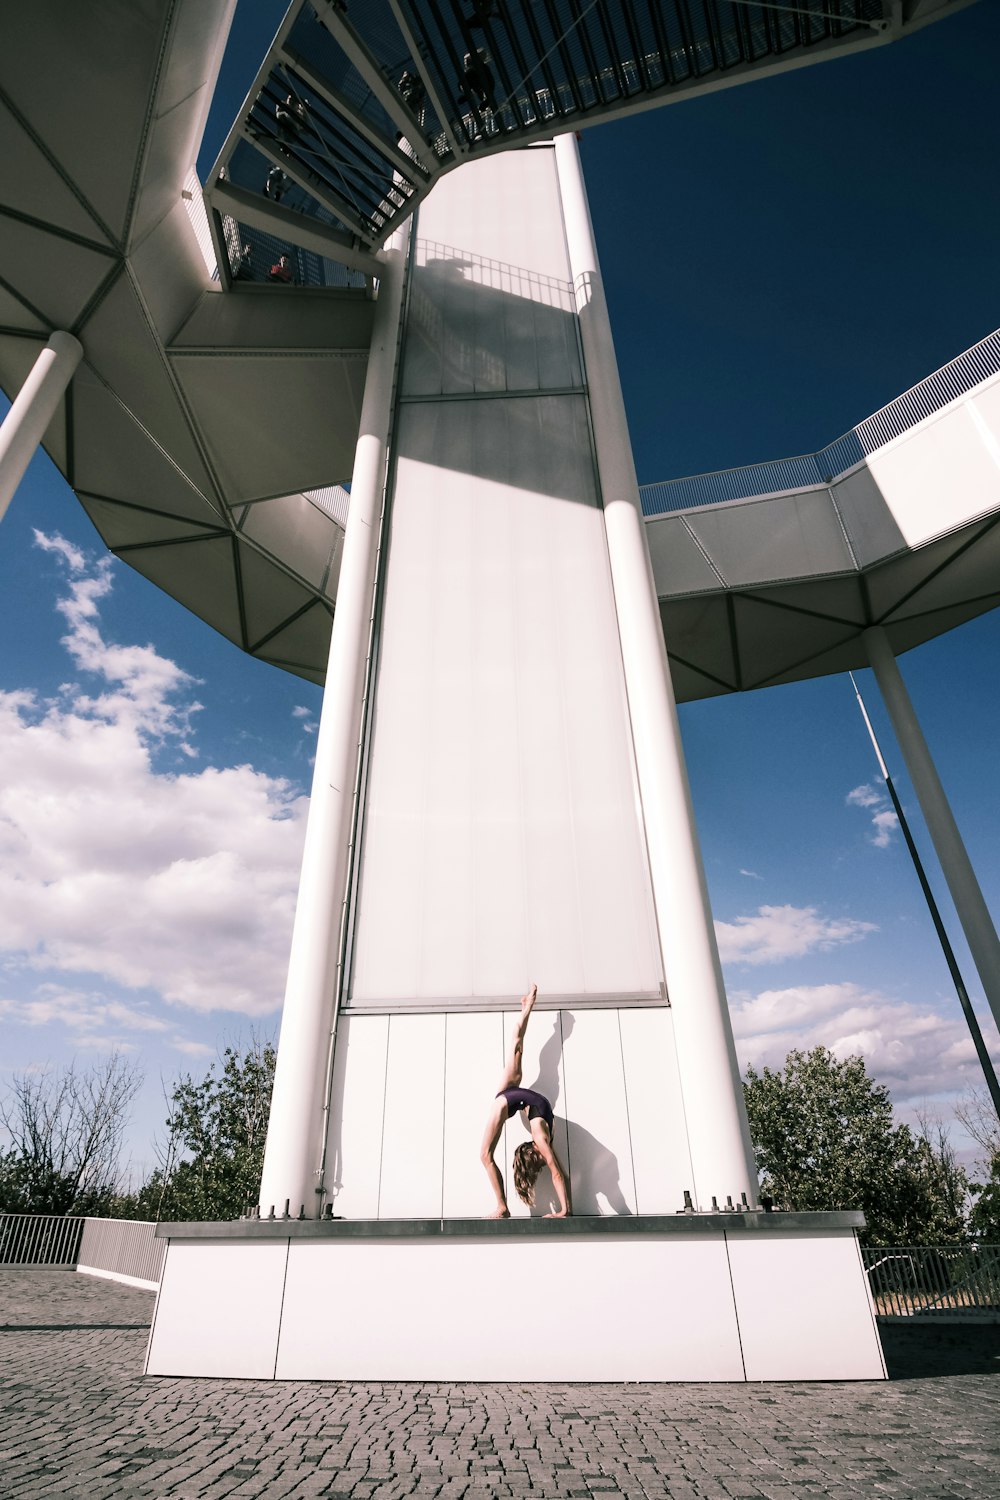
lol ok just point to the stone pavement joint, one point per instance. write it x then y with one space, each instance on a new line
81 1423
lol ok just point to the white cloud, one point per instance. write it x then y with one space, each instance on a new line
884 820
751 875
915 1050
885 824
779 932
183 884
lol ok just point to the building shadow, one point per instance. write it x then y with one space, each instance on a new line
927 1351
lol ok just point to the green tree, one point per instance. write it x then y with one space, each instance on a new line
984 1219
825 1138
64 1133
210 1163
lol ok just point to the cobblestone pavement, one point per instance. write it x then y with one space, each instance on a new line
80 1421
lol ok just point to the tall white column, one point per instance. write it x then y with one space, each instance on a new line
294 1144
721 1151
33 409
973 913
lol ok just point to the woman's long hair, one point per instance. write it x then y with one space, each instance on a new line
528 1162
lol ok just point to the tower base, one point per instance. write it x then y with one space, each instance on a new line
701 1297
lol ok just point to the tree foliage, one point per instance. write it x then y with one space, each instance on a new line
211 1160
64 1133
825 1138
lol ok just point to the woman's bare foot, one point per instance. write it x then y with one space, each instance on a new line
528 1000
499 1213
562 1214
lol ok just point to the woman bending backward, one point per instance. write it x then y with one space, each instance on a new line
533 1155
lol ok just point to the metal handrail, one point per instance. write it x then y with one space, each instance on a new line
808 470
934 1281
123 1249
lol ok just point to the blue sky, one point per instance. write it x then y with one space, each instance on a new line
780 260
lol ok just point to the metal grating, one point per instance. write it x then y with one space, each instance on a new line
358 109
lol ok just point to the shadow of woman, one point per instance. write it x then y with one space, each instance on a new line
592 1167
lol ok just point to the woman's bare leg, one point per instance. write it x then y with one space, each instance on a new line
494 1130
515 1056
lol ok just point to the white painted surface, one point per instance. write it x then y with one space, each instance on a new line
719 1136
33 408
596 1110
804 1308
294 1136
354 1149
219 1309
122 1276
474 1055
660 1158
586 1309
502 840
413 1126
941 474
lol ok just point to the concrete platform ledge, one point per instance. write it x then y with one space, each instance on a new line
690 1297
580 1224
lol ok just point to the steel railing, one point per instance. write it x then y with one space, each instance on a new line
119 1248
953 380
39 1240
936 1281
122 1248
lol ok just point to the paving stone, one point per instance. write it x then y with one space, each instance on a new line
80 1423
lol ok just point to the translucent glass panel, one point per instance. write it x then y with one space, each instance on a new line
502 840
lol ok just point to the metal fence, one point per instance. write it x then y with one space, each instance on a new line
935 1281
122 1249
39 1240
953 380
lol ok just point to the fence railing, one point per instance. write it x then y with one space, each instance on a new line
953 380
39 1240
934 1281
122 1249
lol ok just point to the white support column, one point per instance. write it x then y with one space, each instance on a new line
294 1145
33 409
973 913
721 1152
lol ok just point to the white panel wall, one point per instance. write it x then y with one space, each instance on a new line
219 1309
474 1056
819 1284
502 839
354 1149
413 1093
658 1130
413 1123
646 1309
944 472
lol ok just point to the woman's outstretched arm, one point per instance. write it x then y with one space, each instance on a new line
543 1140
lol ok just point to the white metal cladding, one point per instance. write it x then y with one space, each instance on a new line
412 1092
122 1248
502 837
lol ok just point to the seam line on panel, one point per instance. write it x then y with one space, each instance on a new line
736 1310
628 1112
281 1309
381 1135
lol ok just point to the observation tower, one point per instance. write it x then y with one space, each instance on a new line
356 404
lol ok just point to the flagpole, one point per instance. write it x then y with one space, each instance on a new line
963 995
